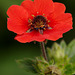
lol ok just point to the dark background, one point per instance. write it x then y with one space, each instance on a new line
10 50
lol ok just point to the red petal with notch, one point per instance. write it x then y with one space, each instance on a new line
17 12
18 19
44 6
29 6
63 23
59 8
60 21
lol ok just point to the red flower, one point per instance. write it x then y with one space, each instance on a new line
38 20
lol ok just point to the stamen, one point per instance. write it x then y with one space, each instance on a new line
49 28
48 21
41 31
43 14
39 23
29 20
42 25
33 15
44 28
29 30
30 24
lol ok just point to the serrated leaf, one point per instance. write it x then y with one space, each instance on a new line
27 64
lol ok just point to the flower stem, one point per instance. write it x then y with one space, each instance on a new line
43 51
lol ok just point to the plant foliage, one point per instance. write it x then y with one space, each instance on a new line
61 61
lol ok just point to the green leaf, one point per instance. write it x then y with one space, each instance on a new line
71 48
41 65
68 69
27 64
63 44
56 46
61 56
71 51
58 51
49 53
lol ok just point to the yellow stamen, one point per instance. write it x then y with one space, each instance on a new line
33 15
44 28
43 14
48 26
48 20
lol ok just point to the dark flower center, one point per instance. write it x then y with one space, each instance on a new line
39 23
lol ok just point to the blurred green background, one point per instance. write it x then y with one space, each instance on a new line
10 50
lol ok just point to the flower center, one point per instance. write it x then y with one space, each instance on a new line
39 23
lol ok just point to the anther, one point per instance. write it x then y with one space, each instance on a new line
39 23
43 14
29 20
49 28
42 25
30 24
33 15
48 21
29 30
44 28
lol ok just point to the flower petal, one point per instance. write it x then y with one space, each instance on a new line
29 37
65 17
16 26
52 35
44 6
59 8
17 12
64 27
63 22
61 19
29 6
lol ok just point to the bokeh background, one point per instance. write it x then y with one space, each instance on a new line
11 50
